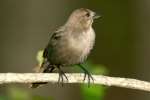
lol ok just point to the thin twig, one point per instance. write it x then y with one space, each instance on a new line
74 78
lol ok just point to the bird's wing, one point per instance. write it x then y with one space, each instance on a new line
54 38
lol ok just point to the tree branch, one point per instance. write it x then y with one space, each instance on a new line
73 78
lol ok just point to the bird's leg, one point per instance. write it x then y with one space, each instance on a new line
49 69
86 73
61 74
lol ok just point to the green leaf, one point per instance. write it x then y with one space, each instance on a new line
37 97
39 57
3 97
18 94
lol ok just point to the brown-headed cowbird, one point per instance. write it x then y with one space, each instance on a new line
70 44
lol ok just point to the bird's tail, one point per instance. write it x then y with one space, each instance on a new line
36 85
44 68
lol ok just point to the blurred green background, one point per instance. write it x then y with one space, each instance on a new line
122 45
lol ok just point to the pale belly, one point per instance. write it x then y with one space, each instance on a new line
75 50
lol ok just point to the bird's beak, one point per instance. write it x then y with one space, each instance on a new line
96 16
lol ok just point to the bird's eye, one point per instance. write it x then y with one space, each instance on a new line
88 14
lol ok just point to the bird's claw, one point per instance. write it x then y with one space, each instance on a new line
89 76
61 77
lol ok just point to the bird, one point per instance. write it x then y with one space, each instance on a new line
70 44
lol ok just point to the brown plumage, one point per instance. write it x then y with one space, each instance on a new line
70 44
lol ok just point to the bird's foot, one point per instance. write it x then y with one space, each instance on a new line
62 75
89 76
86 74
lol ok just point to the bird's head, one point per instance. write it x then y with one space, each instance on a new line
82 18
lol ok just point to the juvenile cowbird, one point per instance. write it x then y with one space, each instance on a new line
70 44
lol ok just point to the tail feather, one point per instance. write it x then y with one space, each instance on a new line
45 68
36 85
